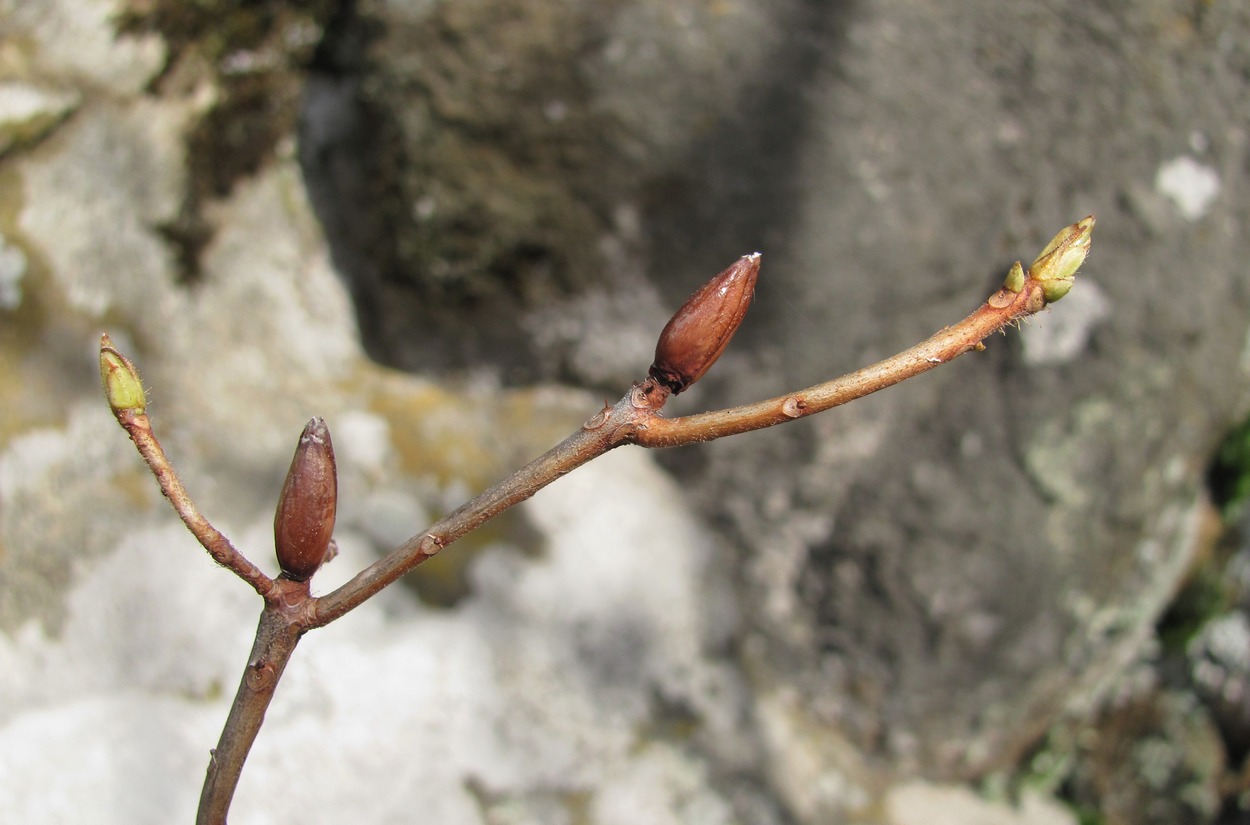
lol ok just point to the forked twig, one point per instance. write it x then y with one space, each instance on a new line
688 346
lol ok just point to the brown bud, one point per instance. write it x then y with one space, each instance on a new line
305 518
699 332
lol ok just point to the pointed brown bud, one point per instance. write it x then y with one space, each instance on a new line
305 518
699 332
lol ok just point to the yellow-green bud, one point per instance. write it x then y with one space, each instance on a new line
1057 265
122 385
1015 278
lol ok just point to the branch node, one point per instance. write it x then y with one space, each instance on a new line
793 406
430 544
1003 298
599 419
261 674
650 394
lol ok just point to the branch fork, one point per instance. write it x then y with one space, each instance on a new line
688 346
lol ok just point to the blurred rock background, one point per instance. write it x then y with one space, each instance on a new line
1003 592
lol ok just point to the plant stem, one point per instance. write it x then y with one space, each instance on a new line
635 420
594 438
277 634
1004 308
139 427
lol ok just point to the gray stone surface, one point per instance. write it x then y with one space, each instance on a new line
939 571
953 562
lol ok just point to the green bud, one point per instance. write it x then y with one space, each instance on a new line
1015 278
122 385
1057 265
1054 290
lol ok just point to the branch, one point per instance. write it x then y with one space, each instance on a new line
691 342
129 403
593 439
1048 279
276 637
1003 309
682 356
